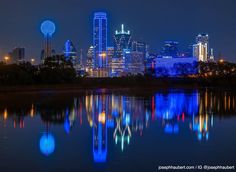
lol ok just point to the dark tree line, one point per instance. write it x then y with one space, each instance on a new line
58 70
55 70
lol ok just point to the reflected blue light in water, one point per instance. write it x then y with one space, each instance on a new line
115 112
67 122
100 130
47 144
126 120
99 145
100 156
199 136
67 126
174 104
171 129
207 135
110 123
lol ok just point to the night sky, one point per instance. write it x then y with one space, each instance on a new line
152 21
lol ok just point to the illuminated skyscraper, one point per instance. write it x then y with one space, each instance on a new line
142 47
134 62
70 52
48 29
90 61
122 41
201 48
110 55
100 39
117 67
90 58
211 57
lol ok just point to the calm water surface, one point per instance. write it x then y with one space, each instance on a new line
116 131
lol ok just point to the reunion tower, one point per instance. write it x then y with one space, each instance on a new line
48 28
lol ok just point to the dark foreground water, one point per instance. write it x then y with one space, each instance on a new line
114 131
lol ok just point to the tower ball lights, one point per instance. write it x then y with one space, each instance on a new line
48 28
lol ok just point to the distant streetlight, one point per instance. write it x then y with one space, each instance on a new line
32 61
6 58
221 60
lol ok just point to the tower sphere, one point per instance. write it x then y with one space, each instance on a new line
48 28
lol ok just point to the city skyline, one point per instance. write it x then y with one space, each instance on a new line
211 18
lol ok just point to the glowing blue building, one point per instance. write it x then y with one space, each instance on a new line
175 66
70 52
100 39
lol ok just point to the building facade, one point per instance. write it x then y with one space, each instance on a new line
122 40
201 48
175 66
134 62
100 39
17 55
90 58
70 53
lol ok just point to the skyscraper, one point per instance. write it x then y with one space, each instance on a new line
17 55
69 49
134 62
139 46
201 48
90 58
122 41
70 52
90 61
100 39
110 55
211 57
142 47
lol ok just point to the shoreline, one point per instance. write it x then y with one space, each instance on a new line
125 84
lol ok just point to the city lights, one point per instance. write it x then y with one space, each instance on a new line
118 86
221 60
6 58
126 57
5 114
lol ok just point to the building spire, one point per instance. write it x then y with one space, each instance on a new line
122 28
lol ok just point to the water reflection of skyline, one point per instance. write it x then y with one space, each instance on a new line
126 116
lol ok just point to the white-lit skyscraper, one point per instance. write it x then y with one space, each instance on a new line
201 48
90 61
211 57
122 41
